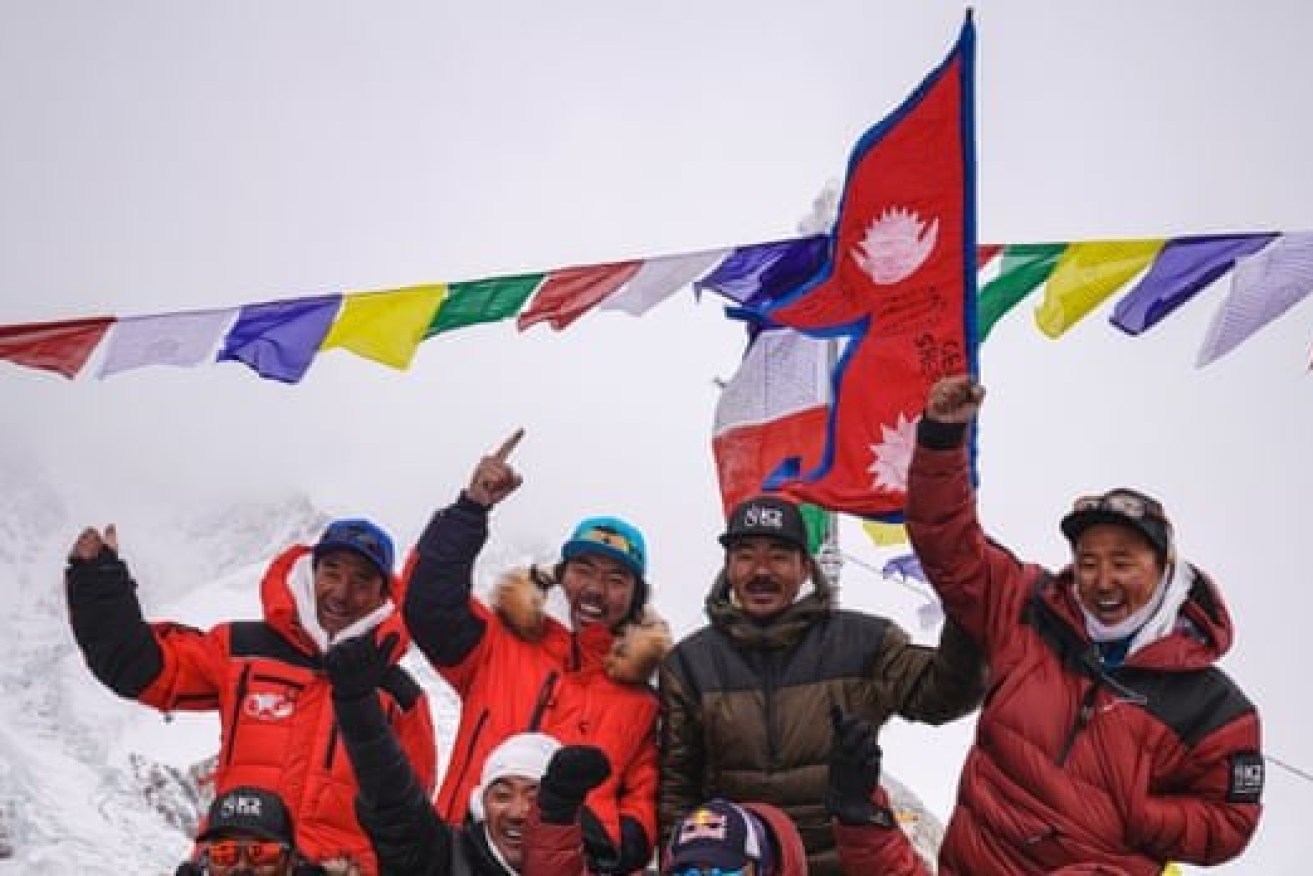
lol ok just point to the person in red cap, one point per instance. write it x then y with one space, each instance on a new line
741 697
585 681
264 677
1110 740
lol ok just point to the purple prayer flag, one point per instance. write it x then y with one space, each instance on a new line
1184 266
1265 285
905 566
756 275
279 339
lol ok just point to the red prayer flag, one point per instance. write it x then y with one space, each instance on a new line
569 293
62 347
900 282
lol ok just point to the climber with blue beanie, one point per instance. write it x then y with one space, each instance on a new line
264 675
584 679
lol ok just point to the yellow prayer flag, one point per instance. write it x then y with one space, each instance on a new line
885 534
386 326
1086 274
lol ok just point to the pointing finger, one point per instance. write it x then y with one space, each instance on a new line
508 445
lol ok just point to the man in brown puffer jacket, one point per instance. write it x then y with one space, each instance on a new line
744 699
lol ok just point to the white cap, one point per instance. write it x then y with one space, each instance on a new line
524 755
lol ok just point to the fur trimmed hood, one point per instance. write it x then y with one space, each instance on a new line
520 599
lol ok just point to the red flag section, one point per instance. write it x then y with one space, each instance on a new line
568 294
900 282
62 347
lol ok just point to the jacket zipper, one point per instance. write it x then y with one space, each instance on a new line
332 748
544 699
768 697
469 755
237 713
1083 716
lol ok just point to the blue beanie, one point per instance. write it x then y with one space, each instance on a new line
610 537
360 537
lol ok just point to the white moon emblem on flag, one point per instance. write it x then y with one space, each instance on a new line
897 242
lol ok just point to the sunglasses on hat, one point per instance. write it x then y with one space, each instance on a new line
1122 502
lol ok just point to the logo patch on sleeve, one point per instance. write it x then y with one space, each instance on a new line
1246 784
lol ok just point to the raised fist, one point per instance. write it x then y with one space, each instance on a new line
955 399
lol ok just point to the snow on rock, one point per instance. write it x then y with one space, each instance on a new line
82 788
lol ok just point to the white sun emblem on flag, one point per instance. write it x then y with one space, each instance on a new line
897 242
893 455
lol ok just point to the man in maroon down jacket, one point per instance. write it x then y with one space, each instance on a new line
1108 735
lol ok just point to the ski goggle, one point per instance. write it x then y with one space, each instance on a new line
1122 502
708 871
257 853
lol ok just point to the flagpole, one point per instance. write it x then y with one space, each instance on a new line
830 555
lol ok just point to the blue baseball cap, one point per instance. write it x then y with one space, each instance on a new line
360 537
610 537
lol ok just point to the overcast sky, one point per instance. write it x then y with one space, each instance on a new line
172 156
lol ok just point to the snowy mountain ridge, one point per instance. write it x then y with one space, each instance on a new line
83 786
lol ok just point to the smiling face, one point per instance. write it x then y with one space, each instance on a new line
506 806
765 574
599 590
347 587
1116 571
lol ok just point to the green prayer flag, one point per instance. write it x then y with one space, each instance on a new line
818 525
483 301
1025 266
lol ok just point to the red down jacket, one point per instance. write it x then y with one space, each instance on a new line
1155 761
265 680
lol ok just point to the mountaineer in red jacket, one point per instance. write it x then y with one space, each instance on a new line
518 670
1109 738
265 678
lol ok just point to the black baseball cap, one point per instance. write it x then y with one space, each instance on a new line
768 517
248 811
1122 507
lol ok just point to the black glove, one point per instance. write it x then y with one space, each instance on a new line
573 771
854 772
356 666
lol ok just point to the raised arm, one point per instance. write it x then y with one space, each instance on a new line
165 665
932 685
106 617
981 583
554 839
392 801
868 837
437 608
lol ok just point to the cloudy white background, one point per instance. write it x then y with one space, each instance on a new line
172 156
